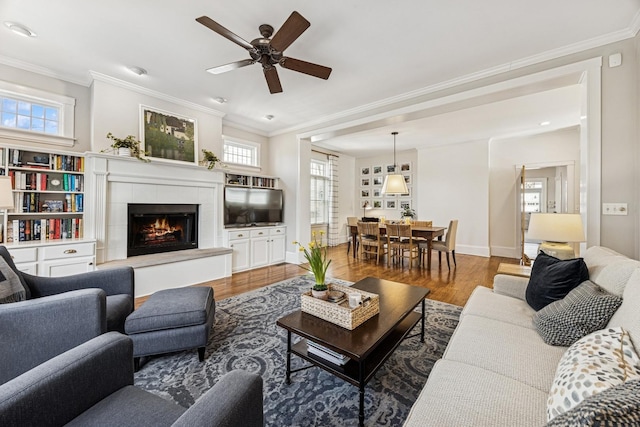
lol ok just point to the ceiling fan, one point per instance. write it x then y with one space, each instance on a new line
269 51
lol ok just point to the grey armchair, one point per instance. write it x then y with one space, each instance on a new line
92 385
59 314
117 283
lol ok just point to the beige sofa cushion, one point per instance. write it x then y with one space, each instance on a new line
485 303
628 315
457 394
613 277
506 349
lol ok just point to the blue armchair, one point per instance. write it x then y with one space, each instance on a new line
92 385
59 314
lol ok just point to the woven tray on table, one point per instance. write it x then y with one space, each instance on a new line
340 313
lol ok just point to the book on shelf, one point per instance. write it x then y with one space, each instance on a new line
326 353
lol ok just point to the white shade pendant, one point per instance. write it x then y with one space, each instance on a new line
394 183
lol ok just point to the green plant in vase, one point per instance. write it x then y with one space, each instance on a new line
316 256
130 143
209 159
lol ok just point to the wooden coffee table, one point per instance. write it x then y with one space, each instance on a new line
370 344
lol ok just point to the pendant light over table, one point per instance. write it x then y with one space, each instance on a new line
394 183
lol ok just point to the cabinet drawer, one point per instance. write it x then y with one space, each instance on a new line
24 255
70 250
259 233
235 235
278 231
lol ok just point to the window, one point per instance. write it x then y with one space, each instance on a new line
33 115
319 210
241 153
30 116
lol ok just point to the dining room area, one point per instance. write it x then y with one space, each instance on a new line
406 242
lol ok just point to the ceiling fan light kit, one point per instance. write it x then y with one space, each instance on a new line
269 51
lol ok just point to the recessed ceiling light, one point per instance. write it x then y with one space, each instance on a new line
269 116
137 70
545 123
220 100
20 29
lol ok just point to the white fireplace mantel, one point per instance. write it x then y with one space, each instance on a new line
112 182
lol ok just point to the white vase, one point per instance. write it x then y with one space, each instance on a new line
124 152
320 294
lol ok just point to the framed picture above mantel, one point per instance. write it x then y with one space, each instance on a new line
168 136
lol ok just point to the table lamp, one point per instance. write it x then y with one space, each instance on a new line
6 193
365 206
556 232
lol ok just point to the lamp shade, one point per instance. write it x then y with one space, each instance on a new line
554 227
394 184
6 193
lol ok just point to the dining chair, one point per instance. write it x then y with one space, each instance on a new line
418 223
352 221
401 244
448 245
371 241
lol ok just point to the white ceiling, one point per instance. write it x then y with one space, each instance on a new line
379 50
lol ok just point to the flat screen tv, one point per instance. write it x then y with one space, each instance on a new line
252 206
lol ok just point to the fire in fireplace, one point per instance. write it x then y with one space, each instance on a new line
155 228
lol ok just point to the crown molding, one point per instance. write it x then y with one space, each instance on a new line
240 126
22 65
391 102
150 92
635 24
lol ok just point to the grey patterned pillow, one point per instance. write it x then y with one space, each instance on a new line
617 406
11 289
585 309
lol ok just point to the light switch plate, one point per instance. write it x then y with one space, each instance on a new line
614 209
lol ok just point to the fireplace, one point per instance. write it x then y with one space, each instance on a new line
156 228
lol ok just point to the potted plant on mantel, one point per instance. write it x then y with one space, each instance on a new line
127 147
316 255
209 159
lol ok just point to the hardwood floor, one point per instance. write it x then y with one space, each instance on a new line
453 286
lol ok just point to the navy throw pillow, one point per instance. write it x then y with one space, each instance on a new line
552 279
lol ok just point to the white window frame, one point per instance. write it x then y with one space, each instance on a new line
66 123
326 180
253 146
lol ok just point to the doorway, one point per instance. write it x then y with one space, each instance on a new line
544 188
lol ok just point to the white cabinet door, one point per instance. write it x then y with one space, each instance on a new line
259 251
277 249
67 267
240 259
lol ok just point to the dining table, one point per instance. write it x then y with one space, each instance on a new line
427 233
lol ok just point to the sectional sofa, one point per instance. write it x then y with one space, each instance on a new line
497 370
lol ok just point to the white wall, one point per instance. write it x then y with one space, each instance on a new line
454 184
506 157
116 109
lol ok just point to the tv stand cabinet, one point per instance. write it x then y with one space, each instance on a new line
255 247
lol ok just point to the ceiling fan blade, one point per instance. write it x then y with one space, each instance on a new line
309 68
214 26
289 32
232 66
273 81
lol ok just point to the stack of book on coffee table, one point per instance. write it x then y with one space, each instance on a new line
327 354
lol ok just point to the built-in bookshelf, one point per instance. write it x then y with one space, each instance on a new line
243 180
48 195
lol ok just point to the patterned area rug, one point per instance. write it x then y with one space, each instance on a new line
245 336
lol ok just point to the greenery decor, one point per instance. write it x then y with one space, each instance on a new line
408 212
129 142
209 159
316 255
